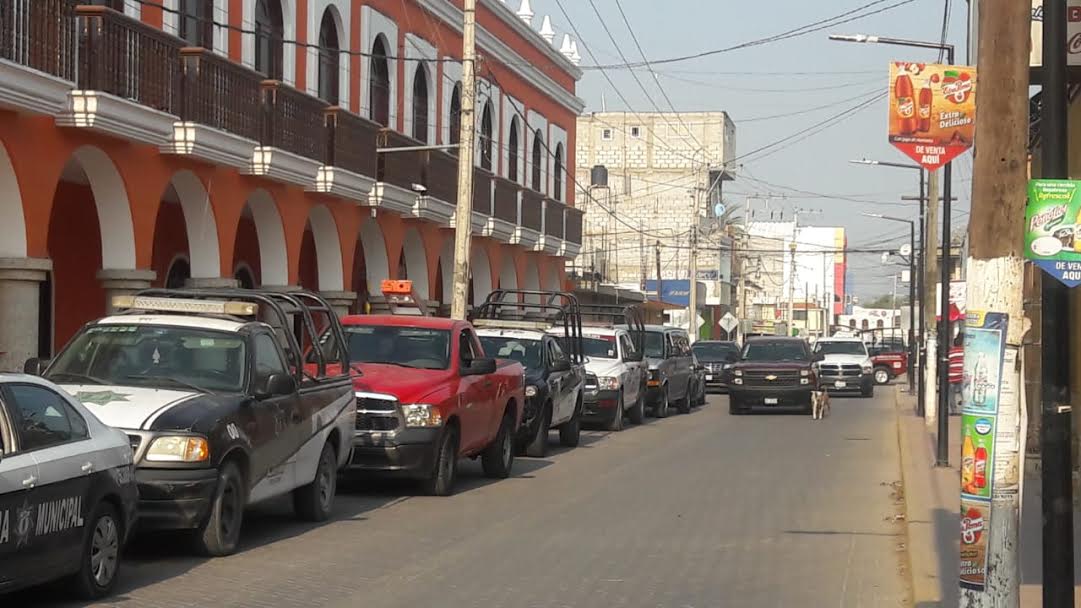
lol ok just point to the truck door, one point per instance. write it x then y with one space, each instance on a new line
474 394
18 477
561 382
273 424
632 372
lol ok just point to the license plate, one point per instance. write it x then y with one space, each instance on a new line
709 377
771 400
840 384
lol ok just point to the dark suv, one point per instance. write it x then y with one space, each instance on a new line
670 379
774 372
715 356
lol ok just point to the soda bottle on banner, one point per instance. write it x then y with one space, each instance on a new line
906 104
979 475
968 463
924 110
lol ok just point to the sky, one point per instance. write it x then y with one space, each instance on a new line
809 74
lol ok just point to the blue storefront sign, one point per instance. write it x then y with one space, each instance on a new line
677 291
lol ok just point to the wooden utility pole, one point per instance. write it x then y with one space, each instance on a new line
464 210
930 279
995 278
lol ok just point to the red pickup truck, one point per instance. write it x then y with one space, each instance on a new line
429 396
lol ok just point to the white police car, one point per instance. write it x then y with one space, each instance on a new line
67 490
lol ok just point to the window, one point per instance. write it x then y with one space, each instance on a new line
526 352
557 188
329 59
606 134
465 347
399 346
420 104
775 350
636 132
654 346
555 352
45 419
486 137
379 82
626 345
268 359
601 347
455 118
827 347
512 151
196 22
538 159
269 35
799 315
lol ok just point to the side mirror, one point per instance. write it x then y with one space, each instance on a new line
276 385
478 367
560 366
35 366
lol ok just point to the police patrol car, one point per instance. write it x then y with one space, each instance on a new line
67 490
227 401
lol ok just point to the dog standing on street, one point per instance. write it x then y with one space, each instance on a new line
820 404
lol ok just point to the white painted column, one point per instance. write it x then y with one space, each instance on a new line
123 282
340 301
20 281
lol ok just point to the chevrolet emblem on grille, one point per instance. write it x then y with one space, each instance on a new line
771 377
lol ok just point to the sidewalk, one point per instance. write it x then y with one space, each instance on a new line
932 503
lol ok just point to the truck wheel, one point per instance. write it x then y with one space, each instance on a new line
868 391
684 405
441 480
882 375
637 413
220 533
314 501
498 457
615 425
733 407
661 409
538 446
570 432
100 559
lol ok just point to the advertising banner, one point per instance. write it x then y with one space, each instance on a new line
932 111
977 455
1053 228
975 533
1073 33
985 346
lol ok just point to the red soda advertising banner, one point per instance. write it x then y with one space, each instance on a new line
975 536
932 111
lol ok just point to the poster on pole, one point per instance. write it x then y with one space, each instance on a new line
1053 228
977 455
975 534
932 111
985 347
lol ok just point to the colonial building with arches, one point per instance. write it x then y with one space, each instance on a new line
234 142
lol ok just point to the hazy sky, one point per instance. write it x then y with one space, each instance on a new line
793 75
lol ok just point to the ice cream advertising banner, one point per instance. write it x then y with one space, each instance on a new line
975 534
932 111
1053 228
977 455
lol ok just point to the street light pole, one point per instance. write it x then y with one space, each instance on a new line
911 283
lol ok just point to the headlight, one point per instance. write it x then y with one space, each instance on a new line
422 415
608 383
530 391
867 368
805 372
738 372
738 381
179 449
804 380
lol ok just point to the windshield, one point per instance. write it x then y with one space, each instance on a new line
600 348
715 351
153 356
403 346
775 350
527 352
654 344
841 348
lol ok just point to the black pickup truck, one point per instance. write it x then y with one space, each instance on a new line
772 371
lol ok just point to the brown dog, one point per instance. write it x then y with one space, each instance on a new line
820 404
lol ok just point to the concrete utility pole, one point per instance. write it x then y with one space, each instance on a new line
996 273
1056 471
930 269
464 209
692 303
791 287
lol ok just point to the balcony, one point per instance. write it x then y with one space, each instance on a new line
572 233
530 218
503 223
551 237
292 136
42 36
349 165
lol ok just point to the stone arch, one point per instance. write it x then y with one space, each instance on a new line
273 259
12 220
508 276
328 248
481 269
376 262
531 276
416 262
111 202
202 230
551 278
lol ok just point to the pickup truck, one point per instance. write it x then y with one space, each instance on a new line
774 371
226 401
889 360
543 331
428 396
615 365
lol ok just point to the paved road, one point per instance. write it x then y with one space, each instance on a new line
703 510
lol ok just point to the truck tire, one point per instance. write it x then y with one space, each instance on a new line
637 413
684 404
220 533
868 391
445 469
733 407
498 458
315 501
615 425
538 445
100 558
661 409
570 432
882 375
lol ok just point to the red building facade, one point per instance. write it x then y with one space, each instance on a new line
224 142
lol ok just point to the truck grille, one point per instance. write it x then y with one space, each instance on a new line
714 366
374 414
785 378
840 370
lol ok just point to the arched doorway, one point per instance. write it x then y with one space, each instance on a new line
260 241
269 37
420 103
329 58
379 82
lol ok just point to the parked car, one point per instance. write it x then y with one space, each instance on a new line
546 338
698 381
772 371
716 356
671 366
430 395
226 400
845 366
67 490
615 359
890 360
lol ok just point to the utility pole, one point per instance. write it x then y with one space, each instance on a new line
464 209
995 279
642 256
930 268
657 252
692 304
791 285
1056 414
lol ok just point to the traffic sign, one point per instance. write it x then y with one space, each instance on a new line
729 322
